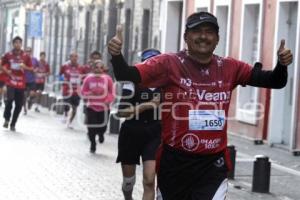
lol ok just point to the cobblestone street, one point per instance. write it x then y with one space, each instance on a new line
45 160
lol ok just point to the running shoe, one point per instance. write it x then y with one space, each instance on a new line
5 125
12 128
29 103
93 148
101 138
70 125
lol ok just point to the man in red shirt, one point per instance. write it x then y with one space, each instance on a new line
14 64
72 73
30 91
42 71
196 89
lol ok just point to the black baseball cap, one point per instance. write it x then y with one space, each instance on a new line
198 18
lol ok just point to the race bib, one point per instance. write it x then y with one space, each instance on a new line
209 120
74 80
15 66
39 75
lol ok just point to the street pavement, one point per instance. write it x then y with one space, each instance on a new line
46 160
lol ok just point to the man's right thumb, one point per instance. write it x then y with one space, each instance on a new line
119 32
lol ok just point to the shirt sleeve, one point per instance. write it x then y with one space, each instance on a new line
111 91
275 79
85 88
154 72
5 61
243 72
47 68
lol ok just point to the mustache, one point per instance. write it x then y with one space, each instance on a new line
196 40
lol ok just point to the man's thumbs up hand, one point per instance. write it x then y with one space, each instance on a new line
115 44
119 33
285 56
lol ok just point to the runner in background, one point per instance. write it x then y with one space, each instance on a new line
140 134
72 73
14 63
41 73
30 91
97 90
87 68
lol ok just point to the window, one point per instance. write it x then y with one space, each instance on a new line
172 27
247 104
222 10
202 5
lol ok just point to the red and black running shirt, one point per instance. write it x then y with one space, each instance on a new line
41 71
11 61
195 98
72 79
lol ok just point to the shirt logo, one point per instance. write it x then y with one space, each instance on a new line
186 81
220 162
213 96
220 83
203 18
205 72
190 142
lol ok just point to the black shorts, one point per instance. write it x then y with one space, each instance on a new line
185 176
40 86
2 83
30 86
96 121
71 101
138 139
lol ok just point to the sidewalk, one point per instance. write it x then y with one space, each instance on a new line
285 171
45 160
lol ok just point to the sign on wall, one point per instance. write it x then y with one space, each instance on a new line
35 22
